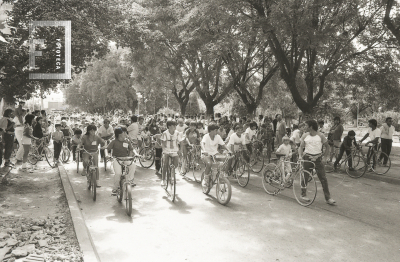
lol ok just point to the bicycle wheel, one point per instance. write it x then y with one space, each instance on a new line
223 190
32 158
147 158
380 168
94 183
128 199
49 157
257 162
120 191
304 188
206 189
65 154
270 181
171 185
89 179
243 173
196 166
357 168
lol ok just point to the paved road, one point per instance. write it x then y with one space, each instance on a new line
364 226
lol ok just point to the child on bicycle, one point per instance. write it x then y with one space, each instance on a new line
347 144
121 147
170 139
192 137
237 144
75 141
209 147
58 137
284 152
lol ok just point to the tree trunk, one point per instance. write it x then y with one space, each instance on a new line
183 107
209 109
251 109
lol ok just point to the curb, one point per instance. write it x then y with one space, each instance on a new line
82 232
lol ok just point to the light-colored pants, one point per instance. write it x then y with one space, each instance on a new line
118 171
19 134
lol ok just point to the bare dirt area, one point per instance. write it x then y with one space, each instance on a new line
35 221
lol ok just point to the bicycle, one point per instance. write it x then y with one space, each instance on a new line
354 165
106 157
124 190
224 188
274 181
92 173
170 182
256 157
194 164
240 169
377 157
65 152
34 156
148 154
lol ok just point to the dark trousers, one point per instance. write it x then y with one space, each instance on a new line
1 152
102 153
369 155
73 148
57 149
158 158
386 145
339 157
8 145
320 168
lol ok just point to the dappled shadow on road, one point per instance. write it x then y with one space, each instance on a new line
178 204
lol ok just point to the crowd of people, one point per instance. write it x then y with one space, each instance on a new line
124 135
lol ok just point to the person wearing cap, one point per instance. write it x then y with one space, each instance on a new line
285 151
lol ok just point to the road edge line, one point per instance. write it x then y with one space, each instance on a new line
82 233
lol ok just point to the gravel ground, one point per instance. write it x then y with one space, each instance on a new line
35 218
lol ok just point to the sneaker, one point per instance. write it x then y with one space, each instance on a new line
351 169
101 160
330 201
306 199
97 185
162 183
114 192
206 181
83 173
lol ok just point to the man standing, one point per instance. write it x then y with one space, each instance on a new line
280 129
387 131
133 130
19 128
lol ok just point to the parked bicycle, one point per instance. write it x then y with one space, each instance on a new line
240 169
256 157
219 177
35 156
275 180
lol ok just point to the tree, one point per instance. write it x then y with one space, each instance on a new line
392 23
106 85
91 22
312 39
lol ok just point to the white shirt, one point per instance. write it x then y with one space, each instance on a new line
313 144
172 141
387 132
374 133
181 128
211 146
103 131
249 134
236 141
133 130
296 136
284 149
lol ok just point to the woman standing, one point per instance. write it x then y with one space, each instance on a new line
27 139
19 130
8 126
